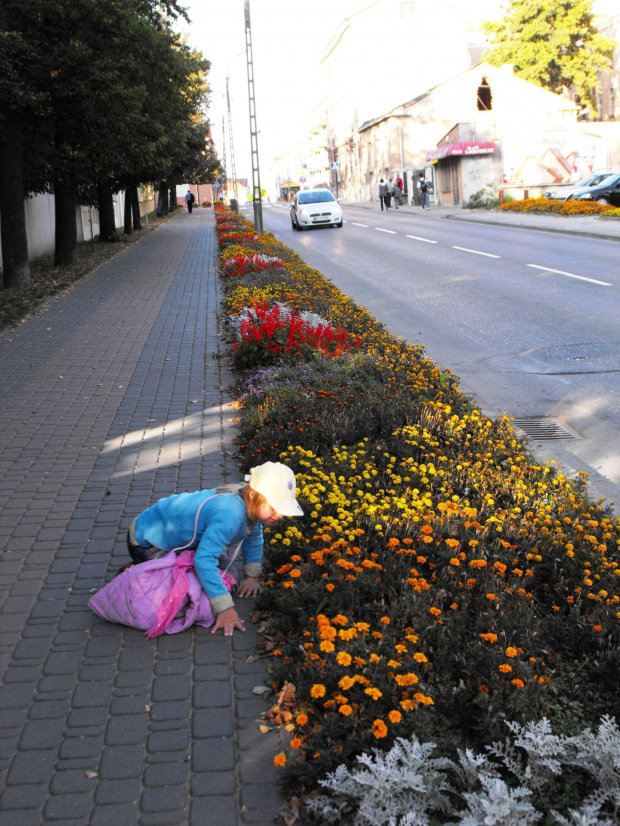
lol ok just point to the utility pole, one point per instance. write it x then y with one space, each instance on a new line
224 173
233 171
256 196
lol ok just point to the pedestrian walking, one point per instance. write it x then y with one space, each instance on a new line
189 200
210 522
388 195
383 191
423 188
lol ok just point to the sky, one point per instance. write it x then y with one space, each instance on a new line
288 40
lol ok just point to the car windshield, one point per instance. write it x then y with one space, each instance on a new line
598 179
315 197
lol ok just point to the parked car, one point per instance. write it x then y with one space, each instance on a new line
607 192
315 208
565 192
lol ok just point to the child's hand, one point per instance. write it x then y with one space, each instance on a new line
228 620
249 587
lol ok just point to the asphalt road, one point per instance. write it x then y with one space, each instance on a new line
529 321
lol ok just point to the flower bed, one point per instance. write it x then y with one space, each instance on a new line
561 207
441 581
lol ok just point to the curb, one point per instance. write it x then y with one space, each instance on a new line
572 231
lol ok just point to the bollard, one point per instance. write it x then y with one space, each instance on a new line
234 205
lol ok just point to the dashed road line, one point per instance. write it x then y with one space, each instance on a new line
355 224
391 231
570 275
426 240
477 252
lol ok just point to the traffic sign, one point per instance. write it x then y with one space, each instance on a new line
334 165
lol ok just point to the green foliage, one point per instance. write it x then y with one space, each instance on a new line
554 45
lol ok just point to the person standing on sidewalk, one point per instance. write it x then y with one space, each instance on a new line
397 189
210 522
383 192
423 190
189 200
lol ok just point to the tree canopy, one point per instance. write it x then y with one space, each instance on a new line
96 96
553 43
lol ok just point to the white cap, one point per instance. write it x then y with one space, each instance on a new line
276 482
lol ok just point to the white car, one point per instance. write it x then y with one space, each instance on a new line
565 192
315 208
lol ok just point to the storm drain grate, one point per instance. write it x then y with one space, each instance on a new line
545 427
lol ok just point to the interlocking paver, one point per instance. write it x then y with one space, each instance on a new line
111 398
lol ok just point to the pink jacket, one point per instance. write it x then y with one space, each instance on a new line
161 595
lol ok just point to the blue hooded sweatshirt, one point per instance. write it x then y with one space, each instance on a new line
209 523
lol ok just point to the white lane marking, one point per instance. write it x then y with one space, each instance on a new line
477 252
426 240
355 224
391 231
571 275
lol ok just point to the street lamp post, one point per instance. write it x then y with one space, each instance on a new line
256 197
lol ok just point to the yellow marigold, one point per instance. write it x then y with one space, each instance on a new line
327 646
346 683
455 561
519 683
301 719
408 705
491 596
317 690
295 573
342 658
434 611
385 620
280 760
478 563
452 543
505 668
347 634
500 567
511 652
395 716
490 637
420 658
379 729
346 710
340 619
424 699
393 664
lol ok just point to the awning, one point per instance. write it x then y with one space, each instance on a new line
462 148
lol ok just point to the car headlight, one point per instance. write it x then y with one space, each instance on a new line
303 212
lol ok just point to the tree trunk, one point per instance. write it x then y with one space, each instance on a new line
12 213
65 203
128 226
107 221
162 201
135 207
173 197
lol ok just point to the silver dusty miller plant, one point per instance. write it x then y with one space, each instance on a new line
410 786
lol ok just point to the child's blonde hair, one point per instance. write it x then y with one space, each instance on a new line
252 499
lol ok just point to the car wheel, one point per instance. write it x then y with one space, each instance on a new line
602 201
338 225
299 227
293 224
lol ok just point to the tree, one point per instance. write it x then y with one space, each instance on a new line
554 44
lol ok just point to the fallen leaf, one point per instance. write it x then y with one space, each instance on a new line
264 729
90 775
260 689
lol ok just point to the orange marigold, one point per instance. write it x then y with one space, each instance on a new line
379 729
280 760
317 690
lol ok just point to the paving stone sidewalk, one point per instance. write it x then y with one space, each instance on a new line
112 397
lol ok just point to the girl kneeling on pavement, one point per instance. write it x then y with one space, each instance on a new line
212 521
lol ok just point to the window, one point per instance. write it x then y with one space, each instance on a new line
485 98
317 197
